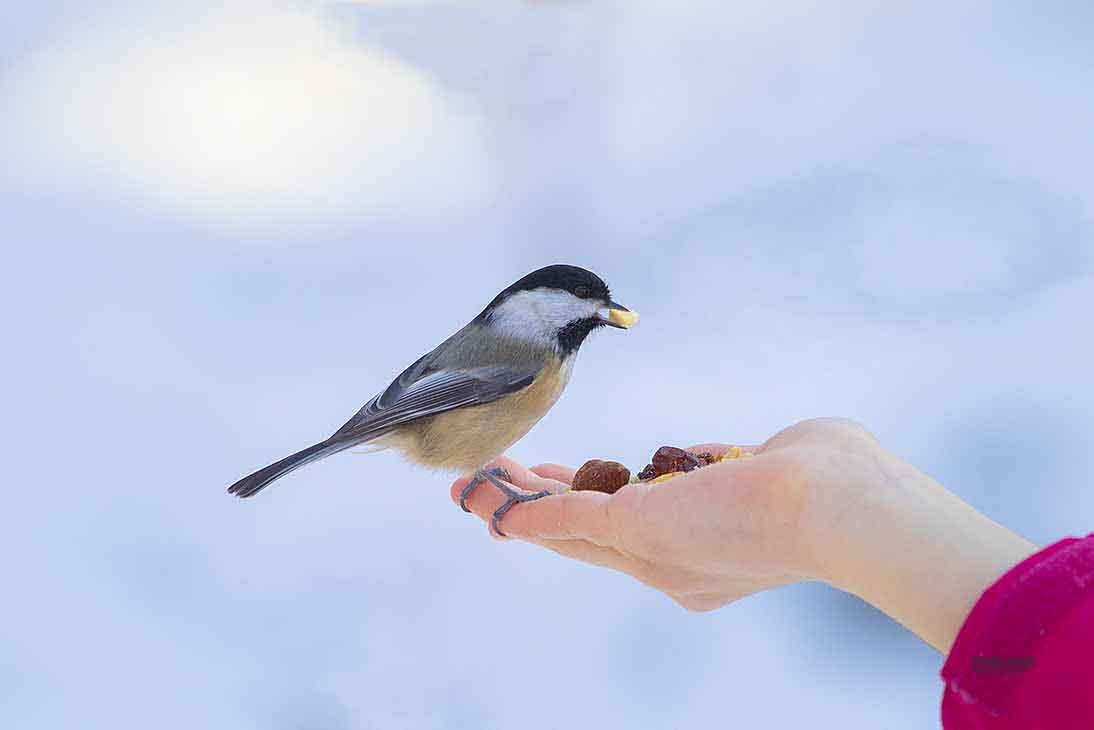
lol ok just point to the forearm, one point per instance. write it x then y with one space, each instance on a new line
919 553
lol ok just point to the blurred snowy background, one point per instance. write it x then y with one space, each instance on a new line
224 230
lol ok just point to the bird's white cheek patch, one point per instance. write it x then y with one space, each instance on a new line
538 315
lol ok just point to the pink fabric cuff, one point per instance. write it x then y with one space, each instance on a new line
1008 643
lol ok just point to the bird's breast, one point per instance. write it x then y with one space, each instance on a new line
466 438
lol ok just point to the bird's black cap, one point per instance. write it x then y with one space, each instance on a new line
580 282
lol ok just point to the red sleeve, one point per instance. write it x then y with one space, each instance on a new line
1023 658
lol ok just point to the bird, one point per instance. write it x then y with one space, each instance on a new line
480 391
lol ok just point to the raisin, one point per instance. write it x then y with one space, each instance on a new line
601 476
669 459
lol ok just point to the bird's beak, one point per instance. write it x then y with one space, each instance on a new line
619 316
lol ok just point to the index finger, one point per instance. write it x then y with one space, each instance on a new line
568 516
520 476
558 472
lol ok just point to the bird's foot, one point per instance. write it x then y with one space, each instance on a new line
513 496
482 475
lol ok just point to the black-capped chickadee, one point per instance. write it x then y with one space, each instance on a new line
483 388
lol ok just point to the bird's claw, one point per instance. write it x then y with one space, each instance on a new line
512 499
482 475
498 476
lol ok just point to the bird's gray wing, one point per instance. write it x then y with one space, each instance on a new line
420 391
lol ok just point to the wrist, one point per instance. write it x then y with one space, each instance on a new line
912 549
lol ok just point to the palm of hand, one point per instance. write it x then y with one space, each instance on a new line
706 538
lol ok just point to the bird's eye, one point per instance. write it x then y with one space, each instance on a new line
581 292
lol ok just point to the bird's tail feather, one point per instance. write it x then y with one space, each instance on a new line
252 484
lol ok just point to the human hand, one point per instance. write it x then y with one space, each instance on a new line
819 500
705 538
